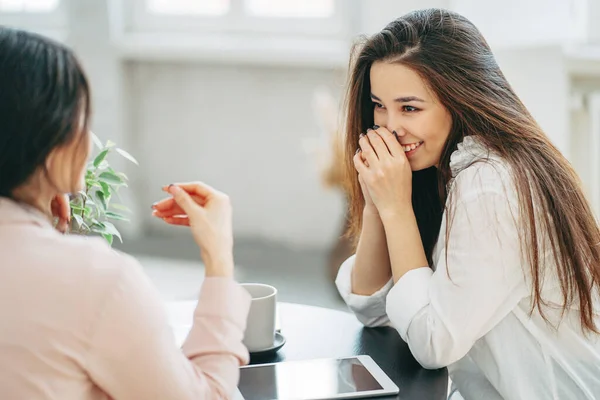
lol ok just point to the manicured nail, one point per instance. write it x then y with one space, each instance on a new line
375 126
174 189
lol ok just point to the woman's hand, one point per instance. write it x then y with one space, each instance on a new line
61 209
385 171
209 215
369 205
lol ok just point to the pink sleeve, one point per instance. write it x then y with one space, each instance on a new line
133 354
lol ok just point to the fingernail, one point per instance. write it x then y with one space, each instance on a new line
395 134
174 189
361 135
375 126
153 205
357 151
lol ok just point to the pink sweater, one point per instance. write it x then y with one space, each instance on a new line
82 321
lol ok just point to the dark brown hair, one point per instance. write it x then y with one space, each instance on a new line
44 93
453 58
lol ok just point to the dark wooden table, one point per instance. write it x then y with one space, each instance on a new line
315 332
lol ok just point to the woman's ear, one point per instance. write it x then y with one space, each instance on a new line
50 164
56 171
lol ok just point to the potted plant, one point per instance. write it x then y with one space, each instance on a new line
92 208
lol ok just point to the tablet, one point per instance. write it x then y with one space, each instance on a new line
320 379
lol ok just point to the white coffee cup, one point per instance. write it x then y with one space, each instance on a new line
260 326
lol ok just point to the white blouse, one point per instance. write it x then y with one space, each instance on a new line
471 311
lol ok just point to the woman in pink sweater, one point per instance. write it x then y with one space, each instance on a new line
79 320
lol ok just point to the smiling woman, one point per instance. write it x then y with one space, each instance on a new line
475 240
404 103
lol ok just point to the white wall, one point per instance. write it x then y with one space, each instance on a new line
376 14
539 77
517 23
241 129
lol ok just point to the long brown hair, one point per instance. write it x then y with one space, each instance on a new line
452 56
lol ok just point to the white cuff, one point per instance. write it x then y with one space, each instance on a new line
409 296
370 310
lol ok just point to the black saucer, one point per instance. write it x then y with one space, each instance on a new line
277 344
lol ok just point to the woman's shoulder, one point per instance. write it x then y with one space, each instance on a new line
90 259
72 275
476 169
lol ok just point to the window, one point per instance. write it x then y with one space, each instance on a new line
186 7
526 22
260 8
42 16
290 9
292 32
33 6
306 17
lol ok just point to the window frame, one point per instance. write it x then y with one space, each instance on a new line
52 23
237 22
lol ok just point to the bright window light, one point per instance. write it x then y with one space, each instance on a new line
187 7
28 5
291 8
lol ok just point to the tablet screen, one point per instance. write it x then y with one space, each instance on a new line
306 379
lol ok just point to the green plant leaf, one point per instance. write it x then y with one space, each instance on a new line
127 156
116 216
105 189
103 165
111 229
100 196
90 183
108 238
76 202
96 140
76 207
100 157
79 220
77 197
97 226
110 178
121 207
102 184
